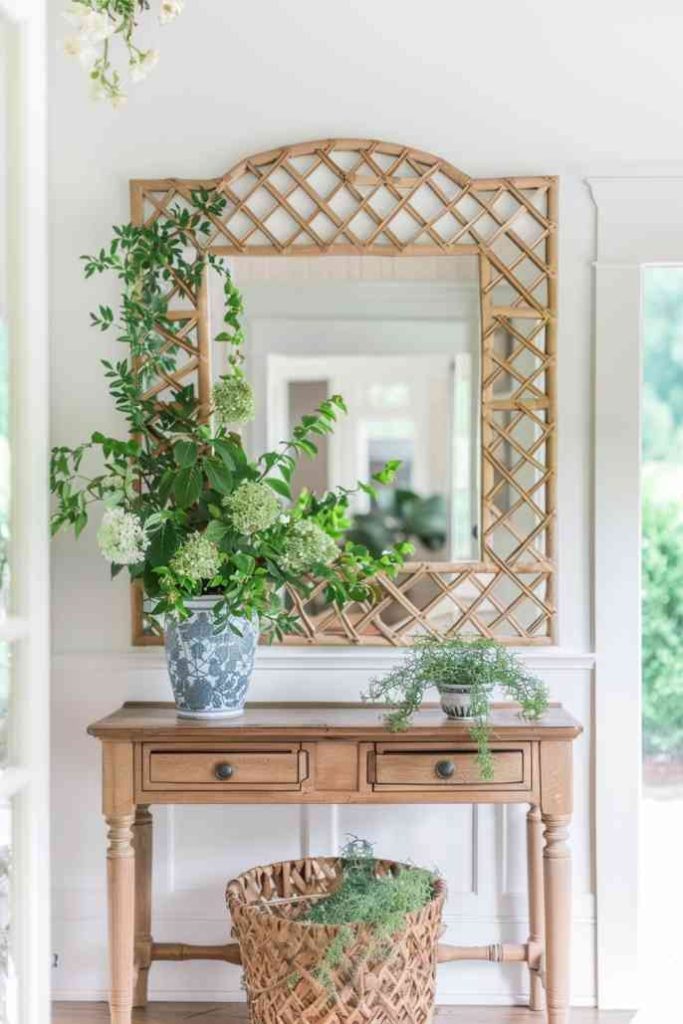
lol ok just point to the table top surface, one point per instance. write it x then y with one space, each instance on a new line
159 721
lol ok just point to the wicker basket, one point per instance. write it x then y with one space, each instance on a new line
280 953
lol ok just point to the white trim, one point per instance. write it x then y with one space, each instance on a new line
27 324
16 10
639 221
297 659
13 628
12 780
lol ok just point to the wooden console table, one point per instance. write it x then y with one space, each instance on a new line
332 754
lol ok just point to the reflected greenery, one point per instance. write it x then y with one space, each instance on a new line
662 628
402 515
662 555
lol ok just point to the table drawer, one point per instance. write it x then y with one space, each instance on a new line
398 767
255 767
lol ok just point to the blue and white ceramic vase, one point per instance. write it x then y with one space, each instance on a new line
210 672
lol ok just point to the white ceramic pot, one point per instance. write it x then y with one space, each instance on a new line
455 701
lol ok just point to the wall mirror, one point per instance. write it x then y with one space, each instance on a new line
426 298
401 341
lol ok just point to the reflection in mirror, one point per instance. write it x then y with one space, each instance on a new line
400 339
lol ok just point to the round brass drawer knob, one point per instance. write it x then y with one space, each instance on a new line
445 769
224 771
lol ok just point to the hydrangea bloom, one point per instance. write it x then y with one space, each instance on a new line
233 400
198 558
122 538
252 507
306 544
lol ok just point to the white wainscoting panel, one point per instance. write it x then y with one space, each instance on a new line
480 851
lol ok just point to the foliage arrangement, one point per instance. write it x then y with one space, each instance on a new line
662 565
364 897
402 515
478 663
96 24
187 510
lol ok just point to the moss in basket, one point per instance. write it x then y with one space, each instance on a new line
478 663
380 902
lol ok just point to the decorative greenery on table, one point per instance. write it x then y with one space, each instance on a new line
381 902
478 663
188 512
96 24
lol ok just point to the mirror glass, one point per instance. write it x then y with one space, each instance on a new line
400 340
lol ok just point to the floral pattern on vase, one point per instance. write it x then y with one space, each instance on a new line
210 672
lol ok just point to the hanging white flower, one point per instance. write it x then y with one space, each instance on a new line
98 25
170 9
94 26
80 48
98 91
118 100
145 63
122 538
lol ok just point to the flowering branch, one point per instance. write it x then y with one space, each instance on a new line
96 23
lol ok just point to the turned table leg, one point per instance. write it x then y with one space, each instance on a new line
119 812
556 808
557 869
143 841
534 834
121 899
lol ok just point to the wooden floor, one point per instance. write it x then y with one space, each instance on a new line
212 1013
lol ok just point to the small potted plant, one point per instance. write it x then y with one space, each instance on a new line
211 532
465 671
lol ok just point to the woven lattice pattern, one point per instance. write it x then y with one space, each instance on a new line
364 197
280 954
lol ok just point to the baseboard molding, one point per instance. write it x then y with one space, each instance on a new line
238 996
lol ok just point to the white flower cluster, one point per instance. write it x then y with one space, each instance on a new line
198 558
306 545
94 26
122 538
233 400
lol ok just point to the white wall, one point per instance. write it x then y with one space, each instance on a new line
235 80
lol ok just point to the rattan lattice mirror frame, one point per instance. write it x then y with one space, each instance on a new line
276 205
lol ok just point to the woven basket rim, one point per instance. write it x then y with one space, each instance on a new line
438 895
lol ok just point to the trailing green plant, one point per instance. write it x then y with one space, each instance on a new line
187 511
478 663
381 902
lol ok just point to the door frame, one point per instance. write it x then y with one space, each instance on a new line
639 222
24 783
